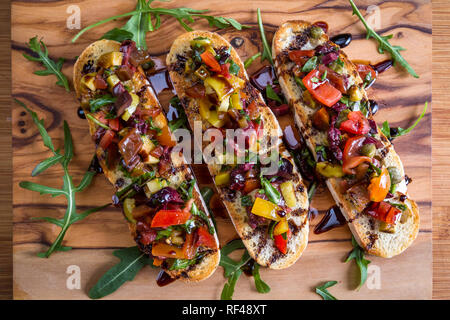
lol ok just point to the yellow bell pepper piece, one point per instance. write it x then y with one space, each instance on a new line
221 87
236 82
281 227
287 190
222 179
214 119
132 108
112 80
235 101
88 81
204 108
329 170
110 59
266 209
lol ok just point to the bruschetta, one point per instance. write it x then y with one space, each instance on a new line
157 191
364 174
269 211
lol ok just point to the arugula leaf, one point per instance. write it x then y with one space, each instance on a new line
250 60
207 193
267 53
234 67
104 100
310 65
383 43
271 94
386 129
260 285
358 254
196 212
181 121
51 66
323 292
131 261
68 190
93 119
140 22
228 288
272 193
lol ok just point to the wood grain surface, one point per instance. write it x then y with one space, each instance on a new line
408 276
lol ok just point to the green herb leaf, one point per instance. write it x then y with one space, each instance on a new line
271 94
386 129
323 292
196 212
267 53
310 65
358 254
140 22
93 119
228 288
131 261
96 104
260 285
383 43
272 193
246 201
234 67
51 66
250 60
68 190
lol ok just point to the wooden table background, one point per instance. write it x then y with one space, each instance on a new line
94 243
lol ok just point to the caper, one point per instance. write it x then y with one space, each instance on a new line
368 150
316 32
396 176
355 93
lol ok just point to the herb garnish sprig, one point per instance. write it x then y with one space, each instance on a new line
323 292
358 254
51 66
68 190
386 129
267 52
147 19
233 269
383 43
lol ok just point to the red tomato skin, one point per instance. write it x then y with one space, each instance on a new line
325 93
205 238
356 123
281 243
106 140
167 218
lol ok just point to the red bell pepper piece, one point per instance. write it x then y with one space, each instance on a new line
210 61
323 91
356 123
114 124
106 140
385 212
205 238
167 218
364 70
281 241
300 56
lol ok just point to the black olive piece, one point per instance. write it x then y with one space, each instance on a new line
393 131
373 106
342 40
80 113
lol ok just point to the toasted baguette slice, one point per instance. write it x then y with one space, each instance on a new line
257 241
181 172
295 34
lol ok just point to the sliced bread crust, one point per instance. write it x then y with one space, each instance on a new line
259 245
91 54
363 227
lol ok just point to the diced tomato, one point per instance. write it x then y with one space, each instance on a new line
253 110
281 242
114 124
379 186
357 123
210 61
165 138
99 83
323 91
385 212
167 218
364 70
335 78
100 116
205 238
107 139
147 237
300 56
225 70
189 249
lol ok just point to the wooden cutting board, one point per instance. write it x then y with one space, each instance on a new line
408 276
